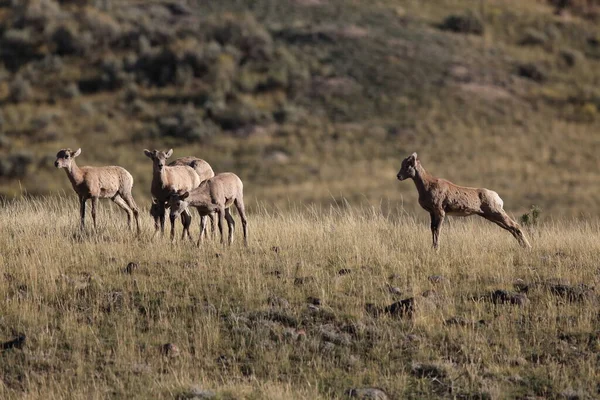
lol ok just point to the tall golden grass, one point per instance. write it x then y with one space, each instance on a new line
95 331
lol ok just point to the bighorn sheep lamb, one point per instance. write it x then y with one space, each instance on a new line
93 183
441 197
165 179
216 194
204 171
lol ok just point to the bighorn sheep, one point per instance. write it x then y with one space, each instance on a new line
165 179
216 194
204 171
441 197
93 183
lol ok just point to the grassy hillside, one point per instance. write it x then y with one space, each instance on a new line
300 313
308 100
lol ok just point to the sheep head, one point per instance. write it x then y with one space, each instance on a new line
65 157
408 168
159 158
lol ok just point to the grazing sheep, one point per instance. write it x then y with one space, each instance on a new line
93 183
204 171
157 211
216 194
441 197
164 179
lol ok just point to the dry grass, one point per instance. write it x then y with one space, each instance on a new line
93 329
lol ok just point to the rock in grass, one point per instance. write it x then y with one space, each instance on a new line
533 37
504 297
315 301
401 309
469 24
428 371
278 302
367 393
170 350
570 57
394 290
578 293
16 343
532 72
131 267
197 392
436 279
303 280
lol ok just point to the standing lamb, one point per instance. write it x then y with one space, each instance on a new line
441 197
214 195
166 178
204 171
93 183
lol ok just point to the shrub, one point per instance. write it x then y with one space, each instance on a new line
531 218
69 91
67 41
467 23
243 32
18 47
20 90
570 57
15 166
533 37
38 13
237 115
103 27
187 124
532 72
157 68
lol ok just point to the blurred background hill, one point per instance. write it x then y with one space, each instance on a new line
309 100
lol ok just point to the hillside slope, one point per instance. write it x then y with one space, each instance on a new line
308 100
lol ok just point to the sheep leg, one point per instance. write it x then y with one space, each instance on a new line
82 213
134 209
186 221
239 204
220 216
501 219
230 225
161 216
94 206
437 219
202 228
212 225
172 219
118 200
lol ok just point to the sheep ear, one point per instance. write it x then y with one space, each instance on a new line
185 195
169 153
413 158
148 153
77 153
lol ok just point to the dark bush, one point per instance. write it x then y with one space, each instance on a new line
15 165
157 68
245 33
67 41
18 47
532 72
20 90
533 37
69 91
187 124
467 23
570 57
237 115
